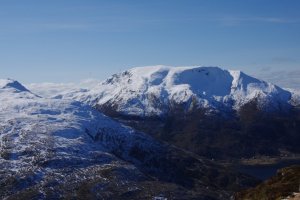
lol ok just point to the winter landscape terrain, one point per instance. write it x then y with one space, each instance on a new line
206 110
152 91
147 133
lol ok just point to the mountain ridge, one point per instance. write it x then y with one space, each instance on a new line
205 110
12 84
154 90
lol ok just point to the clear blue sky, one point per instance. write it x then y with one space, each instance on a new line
69 40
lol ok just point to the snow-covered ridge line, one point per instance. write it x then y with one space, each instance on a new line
154 90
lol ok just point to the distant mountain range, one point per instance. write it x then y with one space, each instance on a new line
156 91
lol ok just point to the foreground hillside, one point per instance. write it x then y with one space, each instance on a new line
283 185
58 149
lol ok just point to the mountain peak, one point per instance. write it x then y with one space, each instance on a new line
152 90
10 83
156 90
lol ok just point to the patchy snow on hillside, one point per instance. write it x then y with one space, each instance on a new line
50 139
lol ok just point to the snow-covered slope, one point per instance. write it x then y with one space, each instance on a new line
58 142
57 149
20 106
26 120
155 90
295 100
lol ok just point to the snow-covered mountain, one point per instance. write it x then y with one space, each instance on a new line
155 90
54 148
295 100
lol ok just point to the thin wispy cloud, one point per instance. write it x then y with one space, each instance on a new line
29 26
65 26
107 23
238 20
104 24
283 60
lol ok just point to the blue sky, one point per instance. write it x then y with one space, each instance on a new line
70 40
